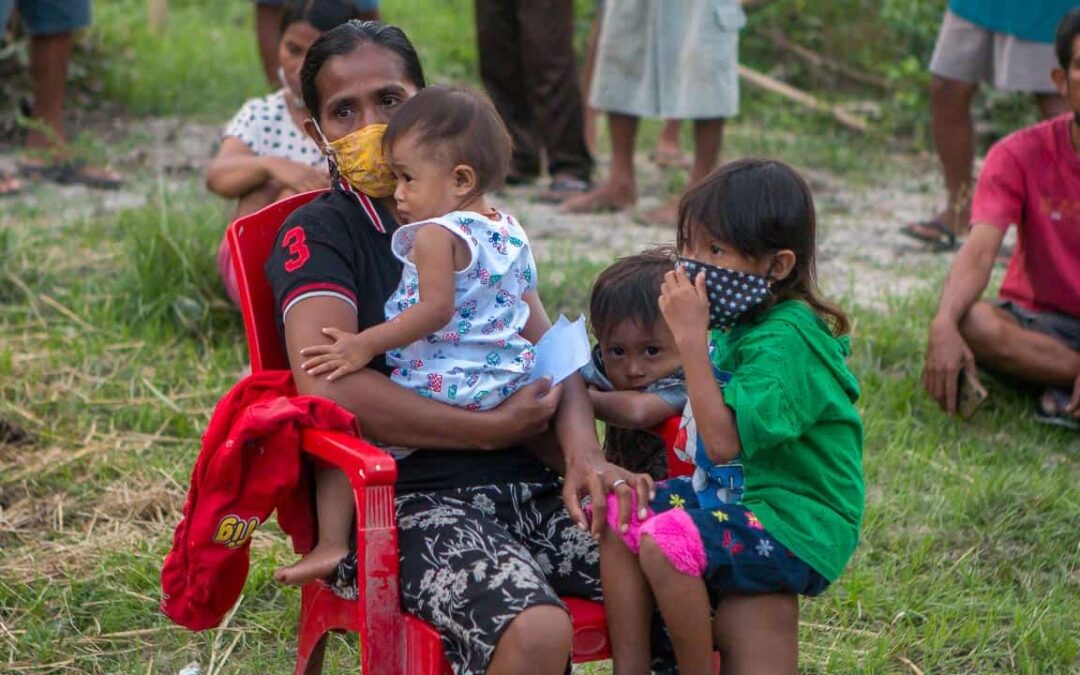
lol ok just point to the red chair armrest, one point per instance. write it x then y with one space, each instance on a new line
371 473
361 461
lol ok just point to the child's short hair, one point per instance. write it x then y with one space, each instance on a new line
461 126
630 290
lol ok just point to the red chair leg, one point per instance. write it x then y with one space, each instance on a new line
310 652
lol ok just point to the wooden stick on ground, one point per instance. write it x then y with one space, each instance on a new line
804 99
823 62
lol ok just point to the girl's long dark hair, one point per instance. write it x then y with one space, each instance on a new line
758 206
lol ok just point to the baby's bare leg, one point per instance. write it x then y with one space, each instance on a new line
335 507
627 603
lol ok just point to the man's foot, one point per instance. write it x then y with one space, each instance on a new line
71 172
563 188
9 185
665 215
607 197
934 232
321 562
1050 408
670 158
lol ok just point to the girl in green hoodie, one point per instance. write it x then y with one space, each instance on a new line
774 506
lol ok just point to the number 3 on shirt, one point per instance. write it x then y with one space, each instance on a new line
294 241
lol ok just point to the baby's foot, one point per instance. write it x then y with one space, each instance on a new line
315 565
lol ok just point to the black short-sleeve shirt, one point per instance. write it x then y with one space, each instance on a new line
338 245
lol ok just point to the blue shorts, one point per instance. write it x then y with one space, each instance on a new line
48 17
740 556
361 5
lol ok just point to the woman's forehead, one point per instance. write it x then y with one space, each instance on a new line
365 70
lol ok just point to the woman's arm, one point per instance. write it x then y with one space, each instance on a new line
586 469
630 409
394 415
236 170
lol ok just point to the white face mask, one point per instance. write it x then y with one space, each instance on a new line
297 101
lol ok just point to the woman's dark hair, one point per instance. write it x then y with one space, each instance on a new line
758 206
321 14
1067 30
458 126
342 40
629 290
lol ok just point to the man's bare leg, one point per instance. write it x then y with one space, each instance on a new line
758 634
619 189
49 57
1001 344
954 139
708 141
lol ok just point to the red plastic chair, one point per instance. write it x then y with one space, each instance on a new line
392 642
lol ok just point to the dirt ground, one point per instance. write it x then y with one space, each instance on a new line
861 256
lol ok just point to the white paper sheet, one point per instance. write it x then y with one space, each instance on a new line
562 351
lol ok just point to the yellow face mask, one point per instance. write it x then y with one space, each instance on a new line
360 160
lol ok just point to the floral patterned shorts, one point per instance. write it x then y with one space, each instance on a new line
740 556
474 558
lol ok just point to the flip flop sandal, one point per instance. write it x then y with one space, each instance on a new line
943 239
68 173
562 189
1057 415
80 173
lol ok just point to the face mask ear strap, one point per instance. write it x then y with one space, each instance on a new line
327 149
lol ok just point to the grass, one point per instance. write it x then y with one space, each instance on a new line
115 343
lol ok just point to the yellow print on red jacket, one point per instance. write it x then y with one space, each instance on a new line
234 532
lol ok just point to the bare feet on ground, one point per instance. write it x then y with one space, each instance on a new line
665 215
608 196
315 565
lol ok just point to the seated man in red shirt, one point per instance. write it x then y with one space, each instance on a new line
1031 179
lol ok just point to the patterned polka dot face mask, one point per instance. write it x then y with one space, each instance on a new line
731 293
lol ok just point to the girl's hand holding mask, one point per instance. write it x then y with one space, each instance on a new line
685 306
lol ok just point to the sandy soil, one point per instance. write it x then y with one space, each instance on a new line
862 256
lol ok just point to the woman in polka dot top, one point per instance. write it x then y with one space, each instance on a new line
264 154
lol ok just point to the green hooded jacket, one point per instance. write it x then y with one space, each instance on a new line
793 398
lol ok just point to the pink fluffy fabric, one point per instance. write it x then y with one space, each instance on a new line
632 536
676 535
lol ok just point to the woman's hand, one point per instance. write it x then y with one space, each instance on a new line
598 478
526 414
685 306
296 176
347 354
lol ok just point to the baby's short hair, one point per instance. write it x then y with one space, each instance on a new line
630 290
460 125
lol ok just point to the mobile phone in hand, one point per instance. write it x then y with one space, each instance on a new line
970 394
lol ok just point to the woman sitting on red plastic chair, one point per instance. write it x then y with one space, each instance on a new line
486 542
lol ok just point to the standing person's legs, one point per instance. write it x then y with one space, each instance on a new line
9 185
962 57
267 31
502 71
546 29
669 146
954 138
619 190
708 141
49 57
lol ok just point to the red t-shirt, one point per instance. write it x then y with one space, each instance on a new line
1031 179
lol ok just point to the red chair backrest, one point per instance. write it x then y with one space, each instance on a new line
251 239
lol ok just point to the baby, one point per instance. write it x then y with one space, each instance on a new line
635 378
